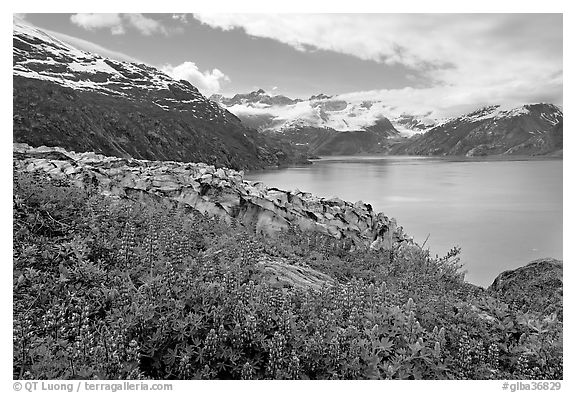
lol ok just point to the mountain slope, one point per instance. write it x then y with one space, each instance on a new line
314 141
69 98
533 129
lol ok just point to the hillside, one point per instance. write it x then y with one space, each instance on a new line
314 141
84 102
117 277
534 129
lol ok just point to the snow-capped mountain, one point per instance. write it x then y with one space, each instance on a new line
531 129
328 125
85 102
322 124
256 97
412 125
38 55
277 113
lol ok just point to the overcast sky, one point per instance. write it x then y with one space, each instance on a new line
444 63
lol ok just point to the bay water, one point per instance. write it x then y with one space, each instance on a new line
502 213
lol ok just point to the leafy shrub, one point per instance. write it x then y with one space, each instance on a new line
117 288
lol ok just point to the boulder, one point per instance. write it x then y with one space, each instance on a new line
536 287
220 173
279 272
206 178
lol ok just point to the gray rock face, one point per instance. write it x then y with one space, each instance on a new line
283 274
217 192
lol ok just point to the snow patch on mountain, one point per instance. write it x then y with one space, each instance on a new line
496 112
98 65
38 55
322 111
405 131
500 112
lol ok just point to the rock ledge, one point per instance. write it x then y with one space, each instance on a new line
218 192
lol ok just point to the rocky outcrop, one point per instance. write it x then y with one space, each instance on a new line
217 192
280 273
536 287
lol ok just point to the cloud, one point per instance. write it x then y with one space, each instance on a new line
461 58
92 47
208 82
180 17
146 26
415 40
99 21
117 23
452 100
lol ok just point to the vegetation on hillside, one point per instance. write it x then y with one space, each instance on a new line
118 289
83 121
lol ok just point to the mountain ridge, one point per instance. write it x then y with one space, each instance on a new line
344 127
531 129
323 134
74 99
276 112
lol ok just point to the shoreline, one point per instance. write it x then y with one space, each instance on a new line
384 157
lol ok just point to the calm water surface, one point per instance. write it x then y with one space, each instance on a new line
502 213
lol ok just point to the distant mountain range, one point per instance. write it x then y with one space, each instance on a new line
80 101
259 96
325 125
266 112
322 124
